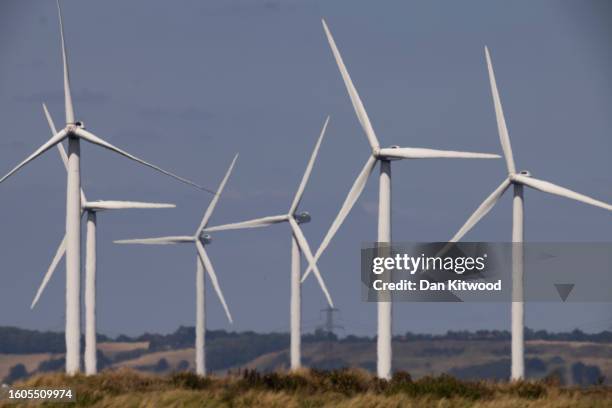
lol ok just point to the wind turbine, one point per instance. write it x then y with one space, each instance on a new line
200 240
299 245
518 180
384 156
74 131
91 208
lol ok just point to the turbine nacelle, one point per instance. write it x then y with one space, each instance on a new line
377 153
303 217
514 177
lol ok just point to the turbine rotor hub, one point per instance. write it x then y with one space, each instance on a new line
523 173
206 238
303 217
72 127
388 158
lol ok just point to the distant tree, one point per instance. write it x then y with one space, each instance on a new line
124 339
14 340
52 364
356 339
583 374
102 338
16 372
183 365
103 361
319 335
535 365
161 366
494 370
128 355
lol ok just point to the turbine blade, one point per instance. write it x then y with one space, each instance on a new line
90 137
256 223
362 115
213 202
213 277
49 144
482 210
418 153
350 200
306 176
67 93
305 248
157 241
56 259
60 147
551 188
122 205
502 129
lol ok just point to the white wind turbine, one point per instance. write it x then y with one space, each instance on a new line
299 245
91 208
74 131
200 240
517 180
384 156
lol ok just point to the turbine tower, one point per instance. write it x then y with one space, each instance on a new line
384 156
299 246
518 180
74 131
90 208
200 240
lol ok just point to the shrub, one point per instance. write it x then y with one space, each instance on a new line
273 381
190 381
444 386
528 390
401 377
344 381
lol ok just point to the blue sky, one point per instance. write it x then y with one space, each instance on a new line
188 85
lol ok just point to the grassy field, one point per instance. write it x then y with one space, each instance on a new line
110 349
336 388
465 359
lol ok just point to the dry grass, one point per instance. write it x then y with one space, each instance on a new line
173 357
111 348
311 388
